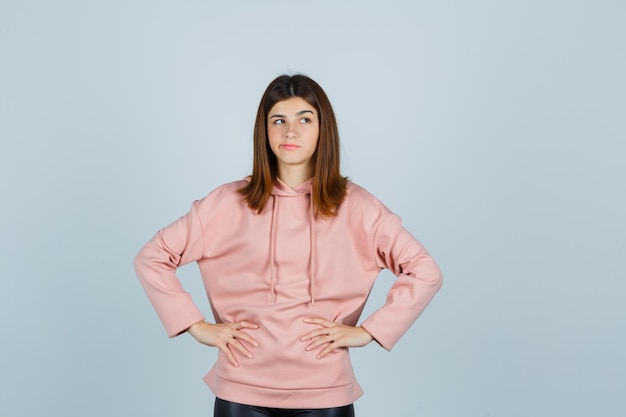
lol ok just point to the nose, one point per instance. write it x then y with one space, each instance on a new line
292 132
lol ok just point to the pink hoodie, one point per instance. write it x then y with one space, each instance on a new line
279 267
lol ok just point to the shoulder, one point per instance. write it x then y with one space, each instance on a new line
357 195
225 196
367 213
360 202
230 187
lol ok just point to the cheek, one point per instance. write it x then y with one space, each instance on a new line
315 137
273 138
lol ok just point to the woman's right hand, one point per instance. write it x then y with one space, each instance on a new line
225 336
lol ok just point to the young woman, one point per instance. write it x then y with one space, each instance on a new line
288 257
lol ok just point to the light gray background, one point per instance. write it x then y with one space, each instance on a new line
496 129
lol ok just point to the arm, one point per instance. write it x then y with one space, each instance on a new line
418 279
156 263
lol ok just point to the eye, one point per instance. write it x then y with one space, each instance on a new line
305 120
278 121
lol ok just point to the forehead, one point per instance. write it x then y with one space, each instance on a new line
290 106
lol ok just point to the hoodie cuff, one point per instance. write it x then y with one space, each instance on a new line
183 320
379 333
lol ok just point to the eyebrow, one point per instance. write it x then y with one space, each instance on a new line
300 113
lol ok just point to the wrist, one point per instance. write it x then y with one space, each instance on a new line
194 327
366 335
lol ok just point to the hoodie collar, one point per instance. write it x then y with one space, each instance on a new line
283 190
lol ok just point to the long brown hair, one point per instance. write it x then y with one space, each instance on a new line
329 187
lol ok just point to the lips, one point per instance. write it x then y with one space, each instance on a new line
289 147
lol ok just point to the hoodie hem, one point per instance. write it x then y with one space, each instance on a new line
326 397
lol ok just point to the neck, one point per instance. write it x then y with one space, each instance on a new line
294 176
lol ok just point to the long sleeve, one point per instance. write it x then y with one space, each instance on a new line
418 279
156 263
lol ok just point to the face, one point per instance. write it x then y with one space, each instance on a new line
293 130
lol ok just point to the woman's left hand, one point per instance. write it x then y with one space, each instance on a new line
334 335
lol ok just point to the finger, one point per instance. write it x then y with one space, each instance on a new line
326 350
314 345
319 342
238 325
315 333
230 356
309 336
320 321
247 325
321 331
336 344
241 348
245 336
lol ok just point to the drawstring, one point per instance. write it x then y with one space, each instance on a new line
274 226
312 253
312 271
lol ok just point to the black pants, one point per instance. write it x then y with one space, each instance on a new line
229 409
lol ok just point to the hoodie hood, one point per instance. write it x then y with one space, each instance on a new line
280 191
